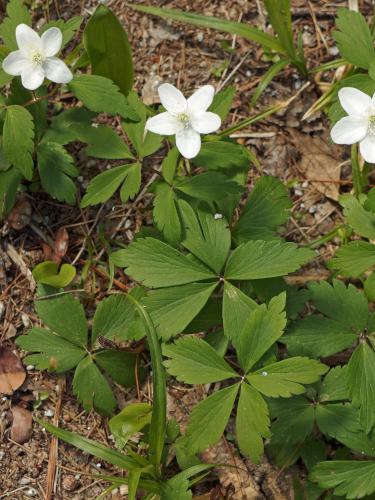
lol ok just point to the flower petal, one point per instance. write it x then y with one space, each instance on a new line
367 148
188 142
51 42
32 76
56 70
354 101
172 99
14 63
28 40
206 122
202 99
163 124
349 130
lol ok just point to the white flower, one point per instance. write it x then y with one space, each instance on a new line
359 125
35 59
185 118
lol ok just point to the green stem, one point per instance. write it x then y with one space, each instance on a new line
356 171
252 119
327 237
159 407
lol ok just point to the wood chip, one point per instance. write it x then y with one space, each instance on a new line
12 372
22 425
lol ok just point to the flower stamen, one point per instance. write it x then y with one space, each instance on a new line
371 126
37 58
184 119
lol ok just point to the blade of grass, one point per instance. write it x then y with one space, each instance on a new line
233 27
267 77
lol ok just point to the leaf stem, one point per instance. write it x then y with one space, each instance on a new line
356 171
159 407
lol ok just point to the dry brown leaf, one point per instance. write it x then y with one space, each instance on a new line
318 163
22 425
61 244
20 215
12 372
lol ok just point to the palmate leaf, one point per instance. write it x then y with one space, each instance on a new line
64 315
237 307
207 238
337 419
335 385
349 478
360 219
209 186
53 351
18 135
296 413
9 182
261 330
345 304
252 423
354 38
61 129
265 259
210 415
104 185
173 308
218 155
56 168
266 209
17 13
354 258
284 378
165 212
101 95
131 419
103 142
120 365
361 382
157 264
92 388
317 336
194 361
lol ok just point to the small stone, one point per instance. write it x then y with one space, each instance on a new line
31 492
298 192
2 454
124 489
70 483
25 320
49 413
30 368
24 480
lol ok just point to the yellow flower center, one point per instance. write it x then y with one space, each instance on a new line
37 58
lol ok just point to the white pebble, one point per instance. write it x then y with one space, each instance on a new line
49 413
25 480
29 368
31 492
25 320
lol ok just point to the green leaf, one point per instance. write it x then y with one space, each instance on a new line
108 48
194 361
18 135
336 419
209 317
266 209
68 28
211 415
265 259
252 423
262 329
62 128
92 389
232 27
157 264
101 95
9 182
237 307
17 13
177 487
266 79
284 378
165 212
115 317
296 413
360 219
103 142
217 155
64 315
172 309
48 273
54 352
92 447
316 336
131 419
354 38
223 102
369 287
56 168
120 365
349 478
354 258
169 165
209 186
347 305
104 185
335 385
279 13
144 144
207 237
361 381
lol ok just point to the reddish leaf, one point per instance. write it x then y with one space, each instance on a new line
12 372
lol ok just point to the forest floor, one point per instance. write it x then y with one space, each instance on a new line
296 150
